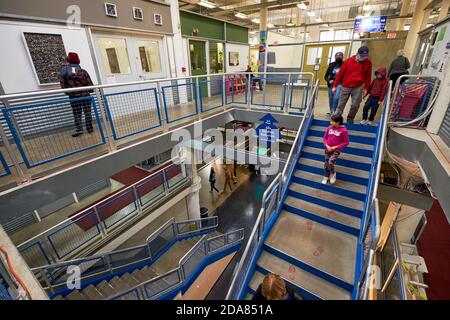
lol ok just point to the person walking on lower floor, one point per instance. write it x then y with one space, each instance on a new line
228 177
334 140
354 76
212 180
377 93
73 76
399 67
330 77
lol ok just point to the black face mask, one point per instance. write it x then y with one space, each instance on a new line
338 60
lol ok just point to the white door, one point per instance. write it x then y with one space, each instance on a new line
148 58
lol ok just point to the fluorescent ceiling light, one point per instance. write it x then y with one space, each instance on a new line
319 19
311 13
255 20
240 15
207 4
325 25
302 6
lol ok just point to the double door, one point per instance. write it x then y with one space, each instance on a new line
318 57
124 58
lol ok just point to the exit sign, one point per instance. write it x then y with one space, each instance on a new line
392 35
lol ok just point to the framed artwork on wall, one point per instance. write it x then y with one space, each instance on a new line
233 58
110 9
157 19
47 55
138 14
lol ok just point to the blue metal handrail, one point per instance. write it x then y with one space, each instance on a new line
55 274
263 225
202 248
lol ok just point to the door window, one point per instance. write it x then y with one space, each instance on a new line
197 54
114 55
314 56
333 51
149 55
215 57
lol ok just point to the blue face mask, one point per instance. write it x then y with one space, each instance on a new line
360 59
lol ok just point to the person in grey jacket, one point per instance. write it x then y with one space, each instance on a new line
399 66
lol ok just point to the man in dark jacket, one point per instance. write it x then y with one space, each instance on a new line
399 66
354 76
330 76
73 76
377 93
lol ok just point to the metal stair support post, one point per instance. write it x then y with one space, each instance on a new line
159 96
101 105
103 231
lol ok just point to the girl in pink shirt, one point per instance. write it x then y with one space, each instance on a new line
334 140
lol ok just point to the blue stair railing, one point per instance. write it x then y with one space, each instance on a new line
178 280
95 268
272 201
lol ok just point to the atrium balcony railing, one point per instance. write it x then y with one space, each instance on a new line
53 277
36 127
99 222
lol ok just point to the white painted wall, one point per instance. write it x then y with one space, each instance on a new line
285 56
244 56
15 64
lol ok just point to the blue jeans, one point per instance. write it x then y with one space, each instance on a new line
333 99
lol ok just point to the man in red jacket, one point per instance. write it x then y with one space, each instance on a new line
355 76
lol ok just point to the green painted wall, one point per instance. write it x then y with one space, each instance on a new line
237 33
211 28
207 28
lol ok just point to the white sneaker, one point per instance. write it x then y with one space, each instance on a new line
363 122
324 180
370 123
333 178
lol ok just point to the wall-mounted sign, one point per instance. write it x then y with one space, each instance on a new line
392 35
138 13
316 67
370 24
110 10
268 131
157 19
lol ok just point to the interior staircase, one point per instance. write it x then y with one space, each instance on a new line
109 288
313 242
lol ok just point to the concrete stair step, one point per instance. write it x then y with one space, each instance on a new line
323 212
326 249
140 275
256 280
106 289
91 293
118 284
129 279
75 295
344 155
328 196
350 132
308 282
354 187
361 146
339 169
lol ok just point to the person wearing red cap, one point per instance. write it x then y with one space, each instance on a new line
355 77
73 76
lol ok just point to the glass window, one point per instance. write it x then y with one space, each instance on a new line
333 51
342 35
314 56
149 55
114 55
326 35
216 57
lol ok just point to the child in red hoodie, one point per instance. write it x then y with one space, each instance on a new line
377 92
334 140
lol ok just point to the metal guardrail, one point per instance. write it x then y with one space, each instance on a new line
271 204
370 222
53 277
37 126
105 218
158 287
